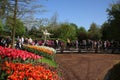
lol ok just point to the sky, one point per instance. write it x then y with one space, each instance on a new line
80 12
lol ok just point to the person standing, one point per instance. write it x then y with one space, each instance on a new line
8 41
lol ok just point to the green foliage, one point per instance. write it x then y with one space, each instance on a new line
19 28
3 8
1 26
35 33
94 32
3 75
48 61
67 31
105 31
72 24
81 33
55 31
114 21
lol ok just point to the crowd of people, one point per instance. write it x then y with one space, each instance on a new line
19 41
5 41
58 44
100 45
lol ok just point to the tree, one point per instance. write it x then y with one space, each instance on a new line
14 24
3 8
105 31
74 25
114 20
16 9
53 21
82 33
20 30
67 31
1 26
35 33
94 32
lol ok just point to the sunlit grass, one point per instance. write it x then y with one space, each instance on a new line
49 62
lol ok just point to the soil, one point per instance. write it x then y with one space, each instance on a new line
87 66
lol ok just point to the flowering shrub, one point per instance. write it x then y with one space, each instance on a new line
12 54
19 71
41 50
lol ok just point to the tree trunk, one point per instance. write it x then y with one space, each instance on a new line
14 25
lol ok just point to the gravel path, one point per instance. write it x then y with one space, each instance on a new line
86 66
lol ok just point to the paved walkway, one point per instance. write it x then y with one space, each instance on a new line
86 66
73 50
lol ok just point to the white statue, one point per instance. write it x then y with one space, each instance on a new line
46 33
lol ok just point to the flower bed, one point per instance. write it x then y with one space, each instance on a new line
23 65
19 55
41 50
19 71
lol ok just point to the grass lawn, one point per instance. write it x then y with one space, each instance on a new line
48 61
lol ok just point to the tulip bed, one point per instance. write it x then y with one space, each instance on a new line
17 55
41 50
23 65
19 71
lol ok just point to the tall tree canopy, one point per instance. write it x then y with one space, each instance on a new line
67 31
105 31
114 21
81 33
94 32
20 30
